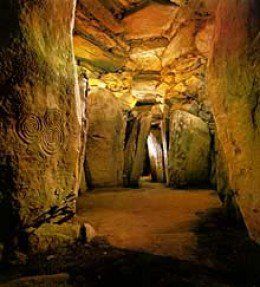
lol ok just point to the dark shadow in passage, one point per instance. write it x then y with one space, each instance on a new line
233 258
224 242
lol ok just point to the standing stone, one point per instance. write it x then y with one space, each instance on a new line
39 114
233 90
189 150
83 91
105 142
165 141
156 155
135 149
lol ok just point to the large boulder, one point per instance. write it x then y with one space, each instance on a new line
105 141
189 149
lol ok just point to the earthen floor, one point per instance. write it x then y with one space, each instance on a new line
153 219
157 237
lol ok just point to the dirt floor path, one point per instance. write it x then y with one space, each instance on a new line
152 219
153 237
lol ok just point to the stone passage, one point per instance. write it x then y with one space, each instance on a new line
98 93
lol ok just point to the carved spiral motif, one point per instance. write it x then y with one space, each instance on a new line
52 118
52 137
29 128
51 141
45 133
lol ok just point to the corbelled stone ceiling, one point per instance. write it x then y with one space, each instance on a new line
130 46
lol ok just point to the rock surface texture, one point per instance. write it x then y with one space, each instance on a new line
155 150
105 142
184 72
136 139
233 89
188 150
39 118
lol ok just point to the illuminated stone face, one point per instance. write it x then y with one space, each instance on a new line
105 142
149 22
40 131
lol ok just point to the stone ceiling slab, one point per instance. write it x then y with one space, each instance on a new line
85 50
119 7
102 14
149 22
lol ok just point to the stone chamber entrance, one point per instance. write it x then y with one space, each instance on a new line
129 143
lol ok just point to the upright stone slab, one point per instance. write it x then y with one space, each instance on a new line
156 155
165 141
105 141
135 149
189 150
83 91
39 119
233 90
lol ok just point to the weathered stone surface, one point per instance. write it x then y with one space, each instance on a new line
83 92
92 32
117 82
144 85
105 142
52 236
204 38
136 138
165 126
39 113
86 51
180 45
234 94
147 60
222 180
119 7
88 233
103 15
149 22
209 6
156 155
189 147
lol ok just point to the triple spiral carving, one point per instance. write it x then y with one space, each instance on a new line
45 132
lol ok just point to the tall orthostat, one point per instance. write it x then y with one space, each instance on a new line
234 93
40 118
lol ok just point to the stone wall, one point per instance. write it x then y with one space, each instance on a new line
39 118
233 89
183 76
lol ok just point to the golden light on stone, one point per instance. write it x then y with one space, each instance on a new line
127 127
